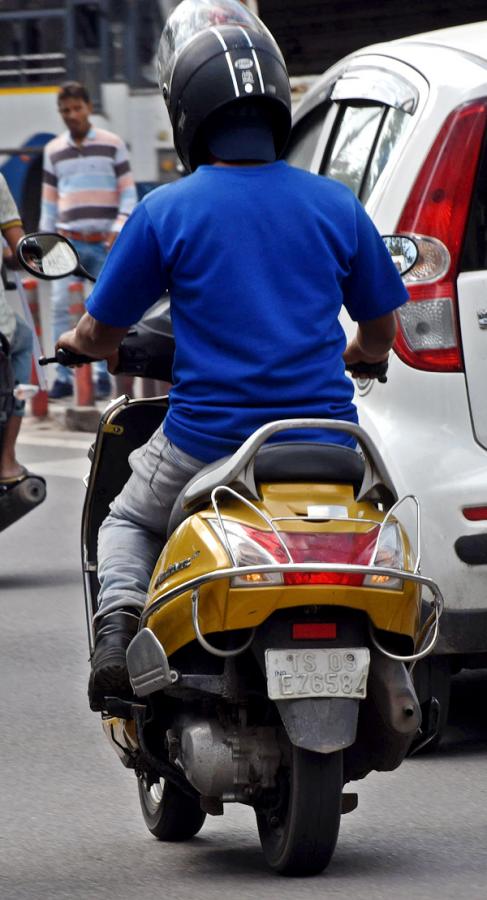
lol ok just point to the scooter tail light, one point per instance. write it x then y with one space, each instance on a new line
246 552
314 631
255 547
436 214
390 555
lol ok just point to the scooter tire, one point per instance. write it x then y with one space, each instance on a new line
19 499
170 815
32 490
298 835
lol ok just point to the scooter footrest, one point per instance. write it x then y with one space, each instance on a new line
147 664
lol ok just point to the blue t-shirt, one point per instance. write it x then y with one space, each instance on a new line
258 261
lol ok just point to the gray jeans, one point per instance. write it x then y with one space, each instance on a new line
133 534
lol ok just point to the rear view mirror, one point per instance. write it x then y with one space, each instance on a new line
48 255
403 250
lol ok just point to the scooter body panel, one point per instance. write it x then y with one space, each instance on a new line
194 550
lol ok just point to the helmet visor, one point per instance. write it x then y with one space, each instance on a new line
193 16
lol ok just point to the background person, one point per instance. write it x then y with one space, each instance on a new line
259 258
19 337
88 192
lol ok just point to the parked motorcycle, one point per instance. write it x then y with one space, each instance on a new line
273 661
21 496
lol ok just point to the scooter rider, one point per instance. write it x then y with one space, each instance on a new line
259 258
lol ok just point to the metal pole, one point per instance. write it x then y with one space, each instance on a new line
105 49
70 40
41 375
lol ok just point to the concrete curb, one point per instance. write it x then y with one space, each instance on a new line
77 418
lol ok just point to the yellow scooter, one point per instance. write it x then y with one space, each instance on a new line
273 661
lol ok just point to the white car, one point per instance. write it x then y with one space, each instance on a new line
403 124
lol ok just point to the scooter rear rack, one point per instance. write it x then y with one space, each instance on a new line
193 585
429 631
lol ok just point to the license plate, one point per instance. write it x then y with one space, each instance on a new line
292 674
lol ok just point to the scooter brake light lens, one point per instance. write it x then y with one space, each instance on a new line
315 631
254 547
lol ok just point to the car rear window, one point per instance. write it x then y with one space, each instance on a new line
393 125
362 141
352 142
304 138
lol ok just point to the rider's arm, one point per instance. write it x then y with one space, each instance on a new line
92 338
373 340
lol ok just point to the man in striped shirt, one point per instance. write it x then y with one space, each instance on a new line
88 192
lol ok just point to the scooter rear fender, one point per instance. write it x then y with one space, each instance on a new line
323 725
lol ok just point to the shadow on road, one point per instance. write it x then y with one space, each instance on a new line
466 732
52 577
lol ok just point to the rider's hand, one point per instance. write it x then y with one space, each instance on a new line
354 354
67 341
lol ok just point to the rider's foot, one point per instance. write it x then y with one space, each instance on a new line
109 675
10 474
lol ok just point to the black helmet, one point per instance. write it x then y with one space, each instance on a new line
218 65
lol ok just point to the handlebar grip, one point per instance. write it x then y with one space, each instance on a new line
66 358
370 370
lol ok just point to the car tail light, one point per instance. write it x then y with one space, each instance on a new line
255 547
475 513
436 213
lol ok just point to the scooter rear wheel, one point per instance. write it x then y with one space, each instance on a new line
298 834
170 815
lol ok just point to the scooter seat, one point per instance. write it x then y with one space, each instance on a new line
295 461
309 461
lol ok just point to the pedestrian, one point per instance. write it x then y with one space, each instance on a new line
259 258
20 339
88 192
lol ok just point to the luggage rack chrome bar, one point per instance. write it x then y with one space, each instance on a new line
432 623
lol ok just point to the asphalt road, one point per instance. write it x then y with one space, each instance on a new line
70 825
